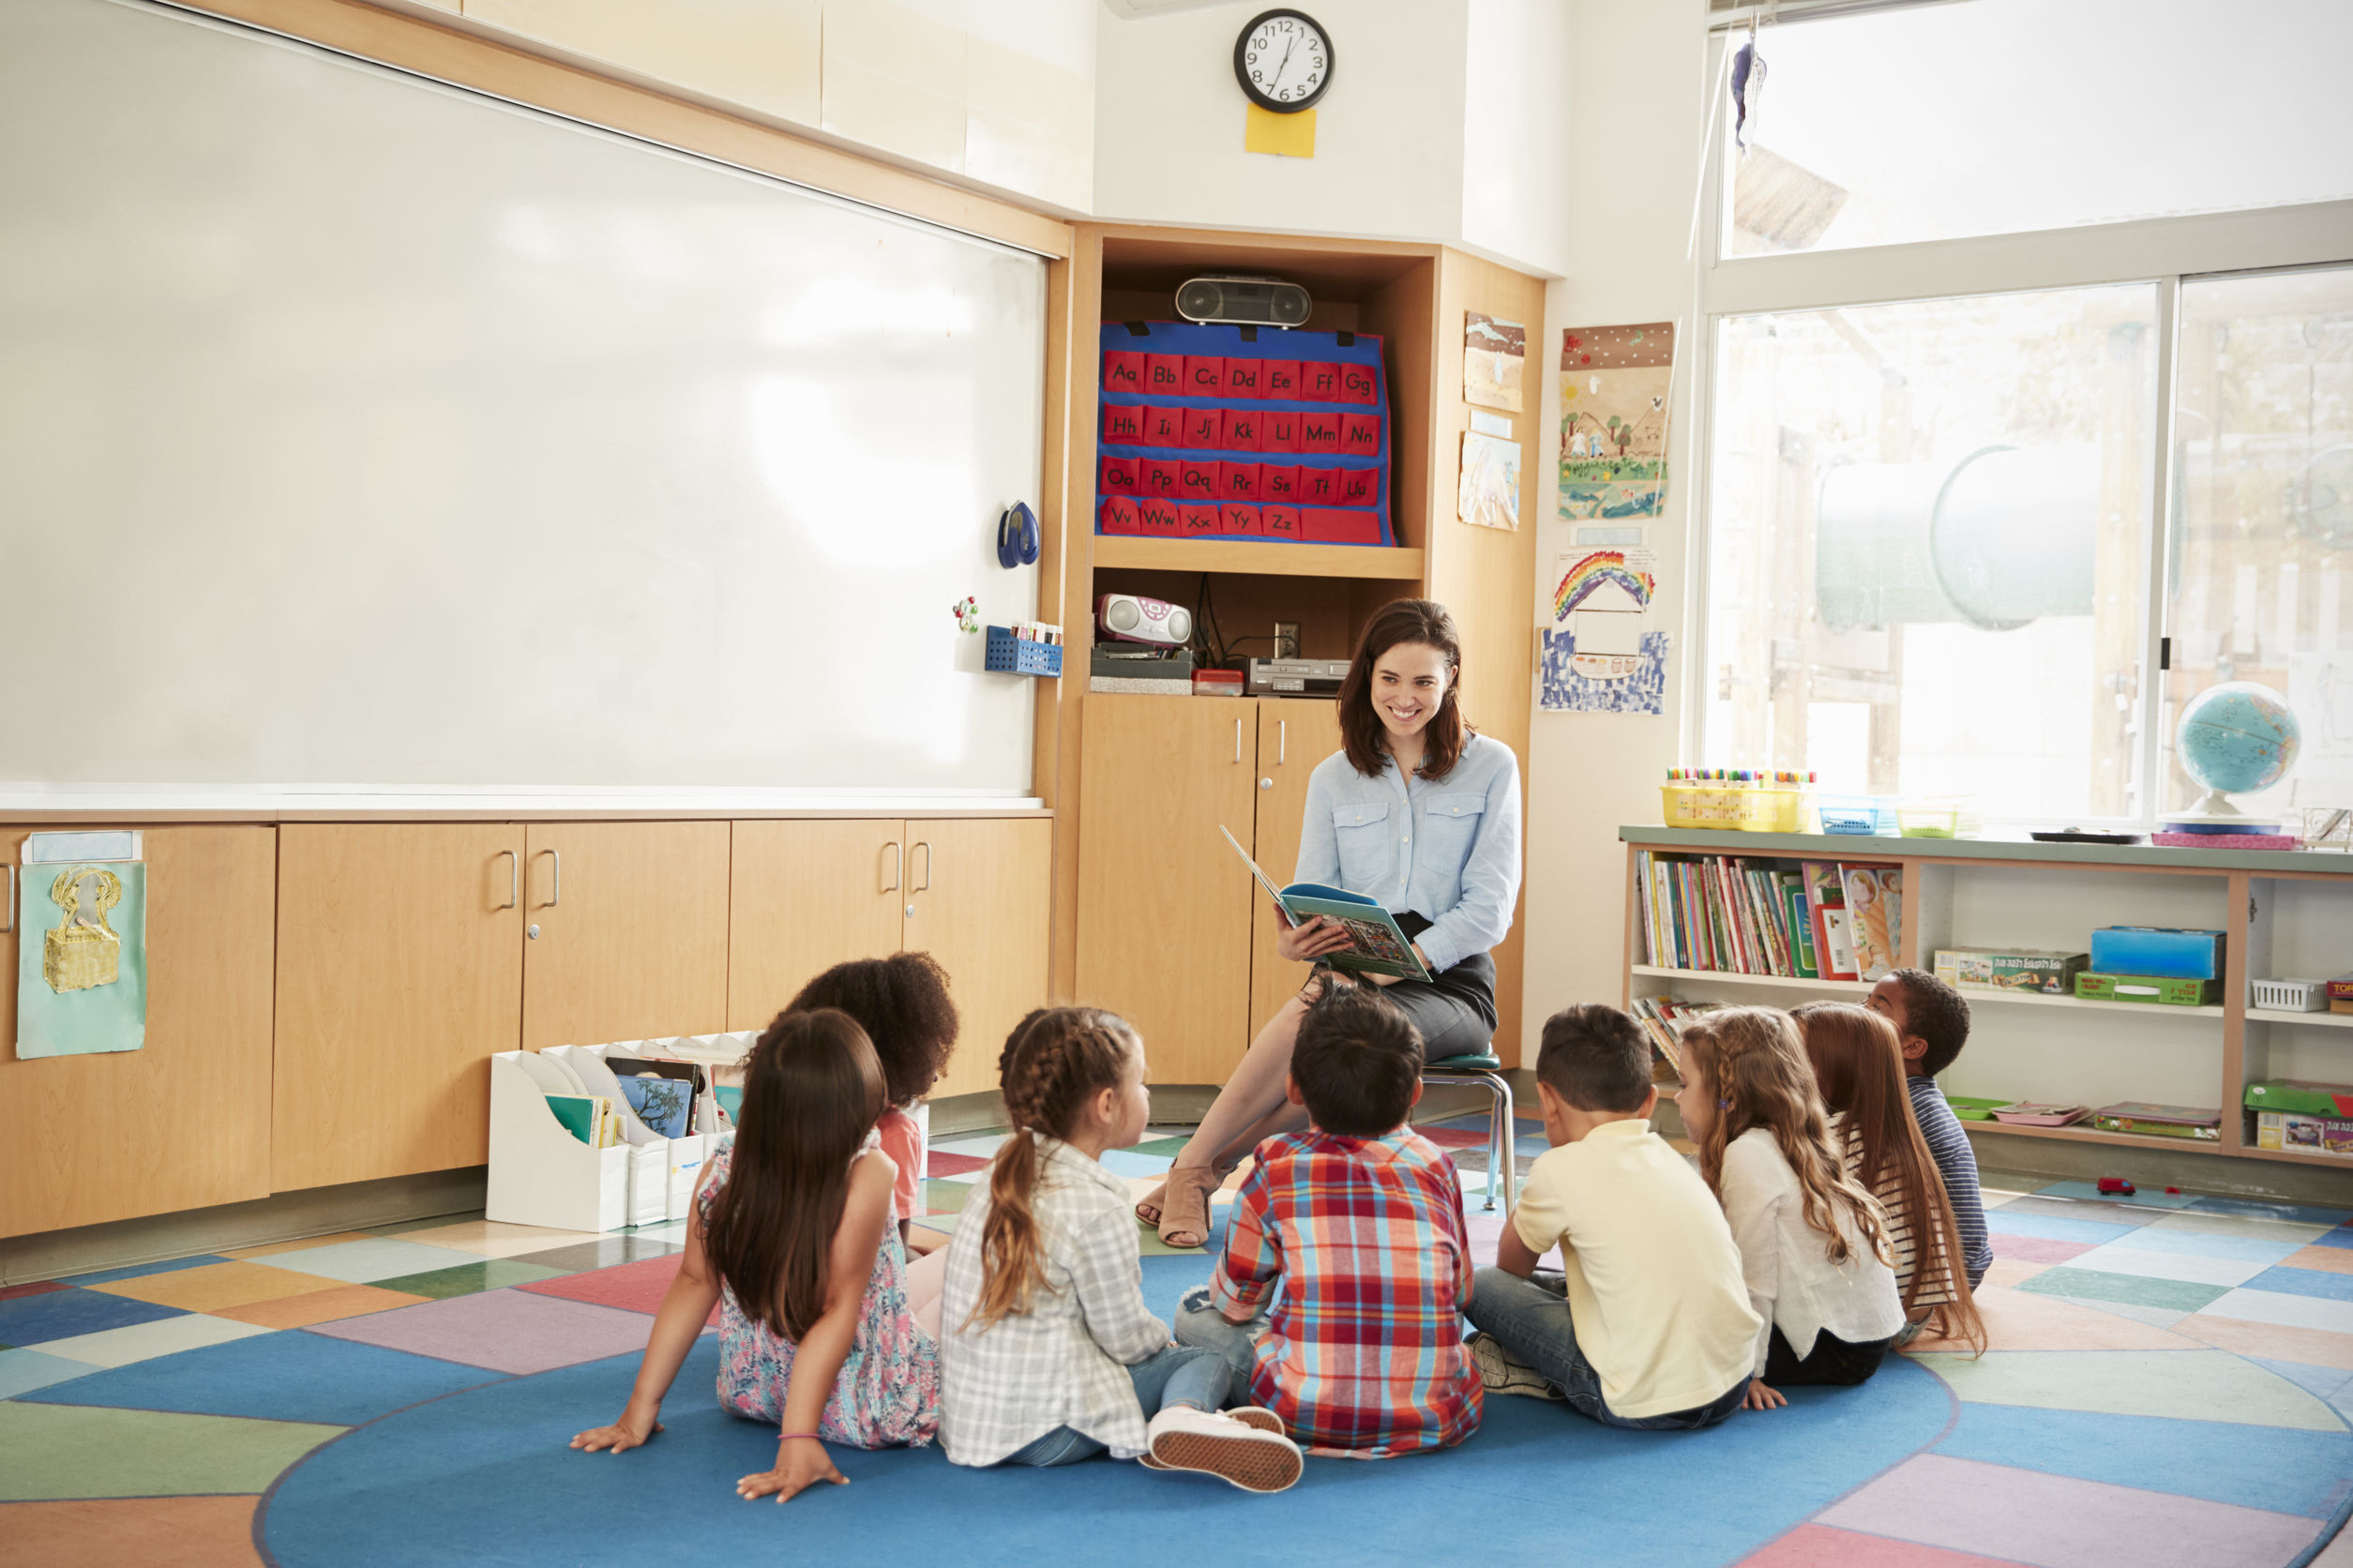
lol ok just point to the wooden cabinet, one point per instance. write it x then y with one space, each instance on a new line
1164 907
1294 735
976 901
972 892
399 970
632 931
183 1120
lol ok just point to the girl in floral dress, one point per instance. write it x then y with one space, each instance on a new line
792 1238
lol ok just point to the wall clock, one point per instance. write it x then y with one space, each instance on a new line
1283 60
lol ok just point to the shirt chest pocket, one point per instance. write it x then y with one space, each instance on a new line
1449 823
1363 834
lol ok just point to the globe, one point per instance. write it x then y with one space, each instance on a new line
2236 737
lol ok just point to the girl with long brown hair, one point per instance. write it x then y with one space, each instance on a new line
1418 810
1813 1242
1859 1064
791 1238
1049 1354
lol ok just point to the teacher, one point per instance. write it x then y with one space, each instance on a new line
1417 810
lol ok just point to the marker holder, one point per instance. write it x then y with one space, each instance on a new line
1009 655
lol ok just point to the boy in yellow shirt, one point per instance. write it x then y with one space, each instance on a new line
1652 1326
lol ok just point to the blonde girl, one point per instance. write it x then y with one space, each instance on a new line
1049 1354
791 1237
1859 1064
1814 1247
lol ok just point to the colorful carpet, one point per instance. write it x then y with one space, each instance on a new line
2169 1382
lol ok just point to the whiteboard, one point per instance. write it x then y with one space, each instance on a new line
357 432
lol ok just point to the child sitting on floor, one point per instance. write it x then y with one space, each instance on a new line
1360 1220
1932 1020
1655 1329
1049 1354
1813 1245
792 1235
902 1003
1860 1068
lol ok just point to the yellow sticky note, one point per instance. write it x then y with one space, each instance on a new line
1287 135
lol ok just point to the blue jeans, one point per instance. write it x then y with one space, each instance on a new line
1531 1320
1175 1375
1199 1323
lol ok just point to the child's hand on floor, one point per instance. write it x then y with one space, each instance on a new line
631 1431
800 1465
1763 1398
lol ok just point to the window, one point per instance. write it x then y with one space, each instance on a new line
2004 116
1935 515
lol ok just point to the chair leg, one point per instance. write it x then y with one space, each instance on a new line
1509 1143
1498 1140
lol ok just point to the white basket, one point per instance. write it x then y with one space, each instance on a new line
2290 996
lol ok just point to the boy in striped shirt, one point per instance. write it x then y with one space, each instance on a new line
1931 1019
1360 1220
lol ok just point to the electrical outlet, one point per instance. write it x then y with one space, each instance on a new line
1286 640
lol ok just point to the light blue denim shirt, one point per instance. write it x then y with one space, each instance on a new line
1448 849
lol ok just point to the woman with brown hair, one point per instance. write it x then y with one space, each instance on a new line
1859 1063
1418 810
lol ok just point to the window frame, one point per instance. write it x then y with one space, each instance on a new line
2163 252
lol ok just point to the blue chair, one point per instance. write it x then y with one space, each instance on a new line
1484 1070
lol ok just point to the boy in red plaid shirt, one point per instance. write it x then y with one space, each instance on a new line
1359 1219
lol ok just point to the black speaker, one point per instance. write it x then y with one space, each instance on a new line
1244 302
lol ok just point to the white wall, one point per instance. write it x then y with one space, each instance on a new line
1517 132
1637 100
1170 121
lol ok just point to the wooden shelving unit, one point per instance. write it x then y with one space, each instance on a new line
1114 552
2281 914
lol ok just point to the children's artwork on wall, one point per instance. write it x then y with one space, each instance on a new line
1494 360
81 949
1489 494
1614 384
1600 652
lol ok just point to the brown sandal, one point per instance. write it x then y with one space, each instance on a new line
1185 1205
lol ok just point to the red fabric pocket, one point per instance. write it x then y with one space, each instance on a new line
1201 429
1198 521
1282 378
1360 486
1278 431
1320 382
1124 372
1360 435
1120 516
1197 479
1160 518
1239 518
1119 475
1278 482
1320 433
1245 378
1123 425
1157 476
1163 426
1319 486
1279 522
1359 384
1237 481
1324 526
1204 376
1164 374
1238 428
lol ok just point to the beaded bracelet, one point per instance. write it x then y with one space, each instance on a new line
810 1436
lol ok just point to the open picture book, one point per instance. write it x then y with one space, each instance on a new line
1377 946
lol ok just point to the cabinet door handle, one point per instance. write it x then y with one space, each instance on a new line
514 878
898 864
555 880
1237 740
12 924
925 885
1282 742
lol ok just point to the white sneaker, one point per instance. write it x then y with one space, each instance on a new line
1505 1373
1234 1450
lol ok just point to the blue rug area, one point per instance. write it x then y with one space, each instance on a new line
273 1376
2255 1466
485 1474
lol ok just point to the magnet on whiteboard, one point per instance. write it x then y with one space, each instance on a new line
1017 537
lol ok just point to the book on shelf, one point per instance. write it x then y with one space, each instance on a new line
588 1118
1758 916
1875 915
1662 1018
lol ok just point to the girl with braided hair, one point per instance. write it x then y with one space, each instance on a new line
1047 1353
791 1237
1814 1245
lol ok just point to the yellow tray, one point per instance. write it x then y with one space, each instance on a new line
1745 810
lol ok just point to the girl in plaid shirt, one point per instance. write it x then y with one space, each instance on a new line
1049 1354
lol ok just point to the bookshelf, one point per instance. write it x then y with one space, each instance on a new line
2283 914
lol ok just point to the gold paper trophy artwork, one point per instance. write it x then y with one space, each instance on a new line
83 951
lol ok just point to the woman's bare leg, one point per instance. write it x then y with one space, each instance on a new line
1255 1090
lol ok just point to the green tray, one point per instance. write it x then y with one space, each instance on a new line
1969 1108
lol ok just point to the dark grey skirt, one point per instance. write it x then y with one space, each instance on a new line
1454 1010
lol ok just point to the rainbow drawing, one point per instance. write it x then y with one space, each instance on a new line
1603 566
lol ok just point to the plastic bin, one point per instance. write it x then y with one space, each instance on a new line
2290 996
1009 655
1735 807
1856 814
1938 817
